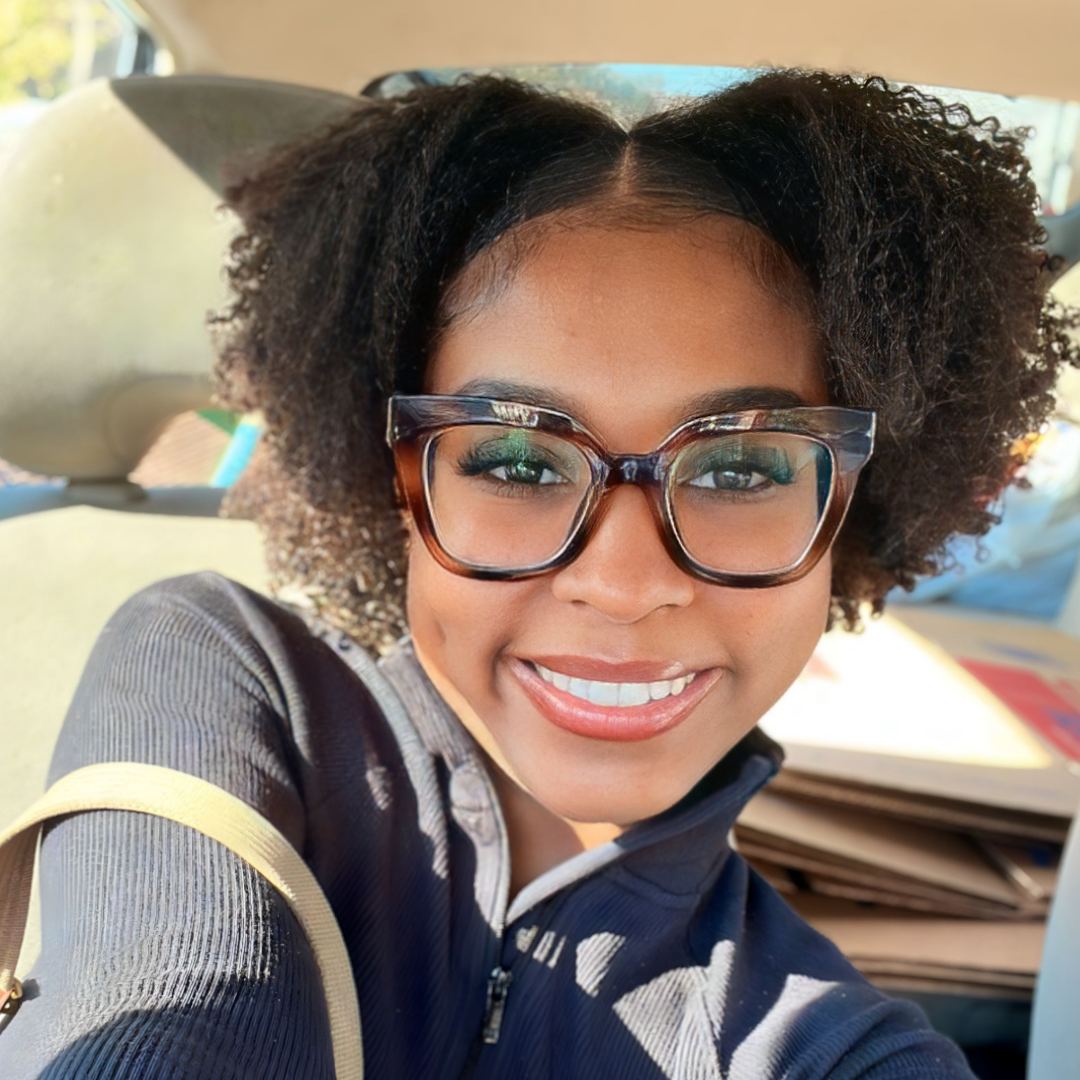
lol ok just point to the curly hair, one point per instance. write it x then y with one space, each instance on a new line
909 225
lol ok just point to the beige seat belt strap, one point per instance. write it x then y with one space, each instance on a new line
151 789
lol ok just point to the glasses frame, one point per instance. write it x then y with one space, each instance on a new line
414 420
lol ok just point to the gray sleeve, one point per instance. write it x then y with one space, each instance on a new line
163 954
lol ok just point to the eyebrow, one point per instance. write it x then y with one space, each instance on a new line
714 403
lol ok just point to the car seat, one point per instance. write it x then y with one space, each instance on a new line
111 241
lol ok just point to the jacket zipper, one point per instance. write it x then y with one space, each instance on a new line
497 989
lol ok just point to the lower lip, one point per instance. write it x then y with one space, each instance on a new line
631 723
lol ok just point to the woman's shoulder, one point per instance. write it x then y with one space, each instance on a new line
277 642
203 598
190 642
201 674
205 622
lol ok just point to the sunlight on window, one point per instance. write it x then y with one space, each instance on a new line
48 47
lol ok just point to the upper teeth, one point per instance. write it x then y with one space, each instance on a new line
615 693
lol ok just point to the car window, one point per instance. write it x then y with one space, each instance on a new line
48 47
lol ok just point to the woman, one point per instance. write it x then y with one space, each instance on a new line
629 380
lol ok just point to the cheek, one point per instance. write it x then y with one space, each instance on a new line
460 625
774 631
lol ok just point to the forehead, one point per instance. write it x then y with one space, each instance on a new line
631 328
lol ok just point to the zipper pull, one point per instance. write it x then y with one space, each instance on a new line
497 988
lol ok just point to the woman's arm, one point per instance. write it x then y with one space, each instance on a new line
163 954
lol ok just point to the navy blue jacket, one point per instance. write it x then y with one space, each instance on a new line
659 955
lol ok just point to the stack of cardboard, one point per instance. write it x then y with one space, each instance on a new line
905 951
933 769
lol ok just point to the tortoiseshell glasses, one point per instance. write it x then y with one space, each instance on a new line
501 490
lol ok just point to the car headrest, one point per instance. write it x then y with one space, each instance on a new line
111 241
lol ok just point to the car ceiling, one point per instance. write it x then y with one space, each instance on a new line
999 45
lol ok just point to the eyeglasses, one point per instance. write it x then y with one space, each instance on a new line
501 490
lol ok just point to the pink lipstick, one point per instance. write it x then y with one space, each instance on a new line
629 701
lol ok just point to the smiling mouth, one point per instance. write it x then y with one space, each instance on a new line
621 711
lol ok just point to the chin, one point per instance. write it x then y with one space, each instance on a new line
617 799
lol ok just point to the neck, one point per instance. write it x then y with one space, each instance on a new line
540 839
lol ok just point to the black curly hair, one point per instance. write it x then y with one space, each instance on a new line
908 226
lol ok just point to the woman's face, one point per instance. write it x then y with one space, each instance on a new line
629 330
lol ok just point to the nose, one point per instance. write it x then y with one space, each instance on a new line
625 571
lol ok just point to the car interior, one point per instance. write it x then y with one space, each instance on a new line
112 236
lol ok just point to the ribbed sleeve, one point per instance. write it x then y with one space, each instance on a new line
163 954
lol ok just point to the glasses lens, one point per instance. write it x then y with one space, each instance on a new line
751 502
503 497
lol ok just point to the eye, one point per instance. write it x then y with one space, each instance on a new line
515 461
526 472
737 468
728 478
